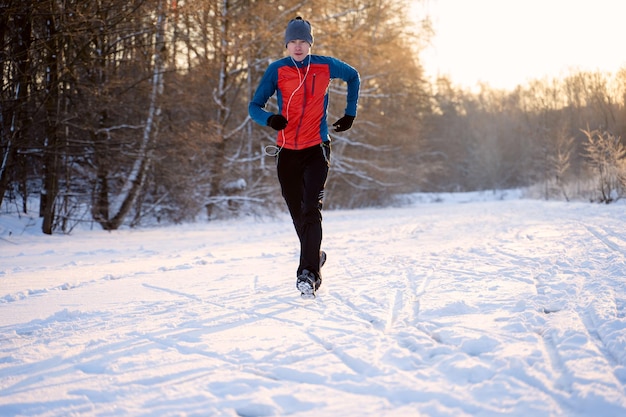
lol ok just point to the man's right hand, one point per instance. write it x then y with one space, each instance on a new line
277 122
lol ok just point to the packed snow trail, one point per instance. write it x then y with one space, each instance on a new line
485 308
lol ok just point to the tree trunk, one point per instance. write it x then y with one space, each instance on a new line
219 95
51 145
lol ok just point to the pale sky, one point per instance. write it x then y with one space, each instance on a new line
508 42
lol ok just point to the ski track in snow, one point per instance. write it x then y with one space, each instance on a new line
489 308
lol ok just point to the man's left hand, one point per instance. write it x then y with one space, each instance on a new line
344 123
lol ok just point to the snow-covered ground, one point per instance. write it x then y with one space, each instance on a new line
455 308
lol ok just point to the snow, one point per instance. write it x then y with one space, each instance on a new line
467 306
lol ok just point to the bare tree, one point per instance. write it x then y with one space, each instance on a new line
607 156
135 181
15 71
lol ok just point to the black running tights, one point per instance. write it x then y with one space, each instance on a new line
302 175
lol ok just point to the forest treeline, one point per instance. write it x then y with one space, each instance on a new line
126 112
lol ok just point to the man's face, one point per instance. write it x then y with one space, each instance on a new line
298 49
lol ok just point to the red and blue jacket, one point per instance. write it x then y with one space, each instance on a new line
302 93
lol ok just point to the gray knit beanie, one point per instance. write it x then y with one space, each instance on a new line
298 29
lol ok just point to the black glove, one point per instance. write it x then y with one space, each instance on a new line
344 123
277 122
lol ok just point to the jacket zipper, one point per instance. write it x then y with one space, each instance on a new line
304 96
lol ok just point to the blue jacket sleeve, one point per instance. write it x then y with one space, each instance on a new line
266 89
341 70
